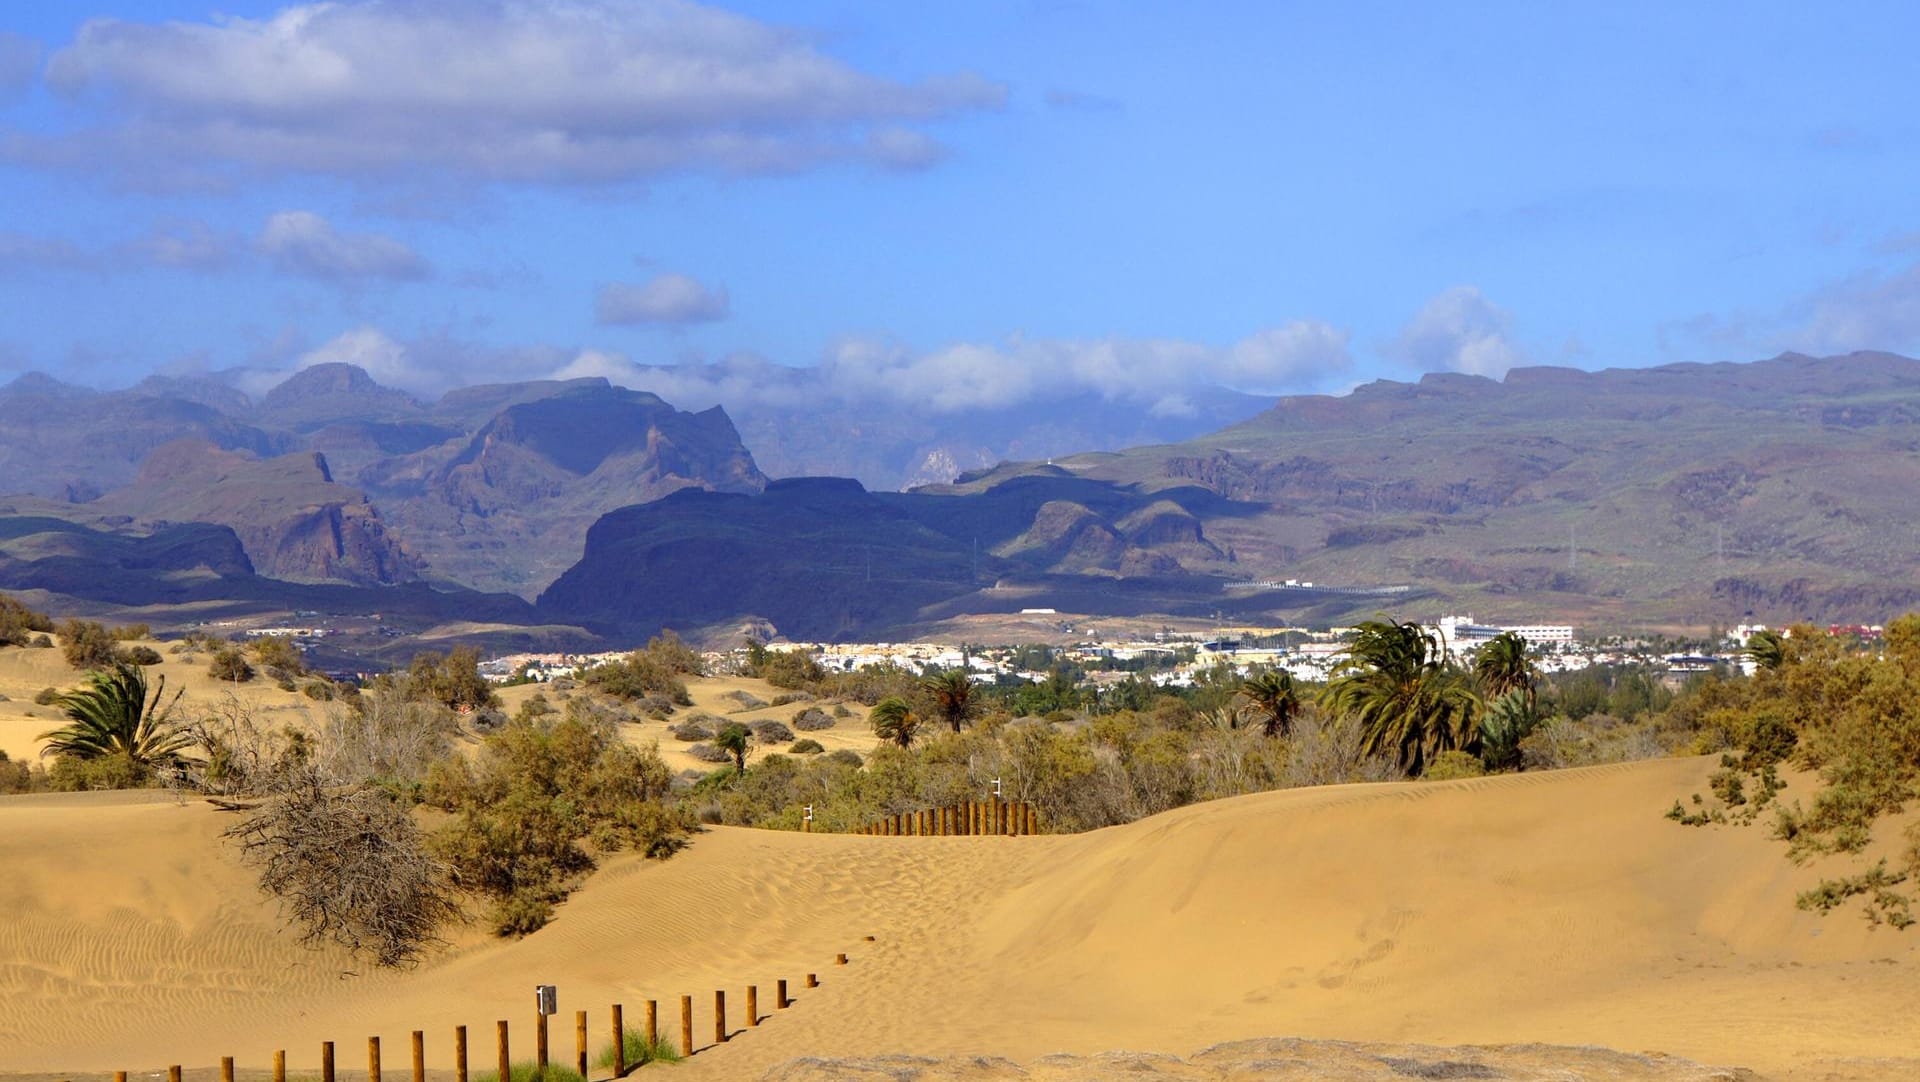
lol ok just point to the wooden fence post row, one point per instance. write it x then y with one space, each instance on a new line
328 1072
975 817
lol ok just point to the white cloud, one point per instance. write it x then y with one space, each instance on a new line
1869 311
509 90
1459 330
664 298
383 358
303 243
1162 374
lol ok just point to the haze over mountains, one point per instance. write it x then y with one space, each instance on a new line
1687 493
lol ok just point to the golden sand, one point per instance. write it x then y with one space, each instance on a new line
1556 908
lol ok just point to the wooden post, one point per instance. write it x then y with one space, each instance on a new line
686 1025
173 1073
373 1059
753 1005
326 1061
121 1076
226 1069
719 1016
419 1056
279 1068
653 1024
1015 817
460 1054
1033 819
580 1042
540 1041
780 995
506 1061
619 1043
839 959
813 980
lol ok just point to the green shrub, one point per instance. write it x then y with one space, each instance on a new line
529 805
18 623
71 774
807 746
638 1051
1453 764
554 1072
141 655
86 644
229 664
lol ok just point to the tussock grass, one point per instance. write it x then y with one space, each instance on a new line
638 1052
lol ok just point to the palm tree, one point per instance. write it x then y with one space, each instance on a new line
1503 665
112 715
892 719
1505 722
1399 683
1272 694
735 739
952 693
1767 648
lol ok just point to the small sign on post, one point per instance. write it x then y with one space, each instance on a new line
806 824
546 999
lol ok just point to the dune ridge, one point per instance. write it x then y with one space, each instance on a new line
1557 908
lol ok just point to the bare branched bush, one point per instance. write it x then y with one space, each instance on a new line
349 866
383 737
1331 750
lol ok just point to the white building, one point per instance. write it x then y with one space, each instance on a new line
1460 635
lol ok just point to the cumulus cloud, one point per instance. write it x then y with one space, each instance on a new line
303 243
1459 330
509 90
1162 374
1166 376
369 348
664 298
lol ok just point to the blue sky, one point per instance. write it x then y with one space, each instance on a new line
962 203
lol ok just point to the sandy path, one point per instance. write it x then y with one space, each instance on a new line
1557 908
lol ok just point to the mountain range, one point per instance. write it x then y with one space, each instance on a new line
1683 494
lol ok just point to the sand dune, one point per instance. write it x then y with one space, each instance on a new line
1553 908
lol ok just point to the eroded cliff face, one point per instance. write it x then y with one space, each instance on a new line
508 507
294 520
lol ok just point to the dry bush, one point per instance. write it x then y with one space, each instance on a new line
813 719
349 866
707 753
746 701
692 729
1330 750
770 732
384 738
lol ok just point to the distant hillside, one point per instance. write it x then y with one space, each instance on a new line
296 522
508 507
70 443
822 558
1687 492
493 487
